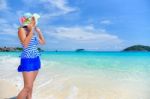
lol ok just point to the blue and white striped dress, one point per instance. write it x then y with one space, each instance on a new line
31 51
30 60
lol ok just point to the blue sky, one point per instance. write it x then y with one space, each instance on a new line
103 25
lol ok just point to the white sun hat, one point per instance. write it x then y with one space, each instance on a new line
36 16
26 19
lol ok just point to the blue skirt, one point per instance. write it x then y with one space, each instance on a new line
29 64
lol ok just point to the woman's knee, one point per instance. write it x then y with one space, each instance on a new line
28 88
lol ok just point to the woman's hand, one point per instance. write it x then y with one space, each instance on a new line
37 30
31 26
41 37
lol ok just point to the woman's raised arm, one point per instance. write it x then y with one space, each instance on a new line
41 37
23 38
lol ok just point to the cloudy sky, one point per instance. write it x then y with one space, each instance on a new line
103 25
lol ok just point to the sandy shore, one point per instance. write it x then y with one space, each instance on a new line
7 90
79 88
83 88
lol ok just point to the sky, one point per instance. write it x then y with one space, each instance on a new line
99 25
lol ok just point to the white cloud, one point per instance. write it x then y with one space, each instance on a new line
3 5
52 7
8 28
87 37
61 8
106 22
84 34
8 33
62 5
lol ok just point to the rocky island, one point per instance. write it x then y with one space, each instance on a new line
79 50
138 48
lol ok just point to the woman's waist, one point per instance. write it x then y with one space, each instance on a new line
30 49
30 54
29 57
33 51
30 46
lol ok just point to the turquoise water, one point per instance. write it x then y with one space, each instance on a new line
131 61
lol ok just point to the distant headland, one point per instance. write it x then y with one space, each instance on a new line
11 49
135 48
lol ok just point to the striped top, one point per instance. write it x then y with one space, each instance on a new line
31 51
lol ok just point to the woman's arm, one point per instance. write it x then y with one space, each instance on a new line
41 37
23 38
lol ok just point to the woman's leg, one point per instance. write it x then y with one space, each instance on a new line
29 78
29 96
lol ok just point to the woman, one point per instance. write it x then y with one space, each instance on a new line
30 61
